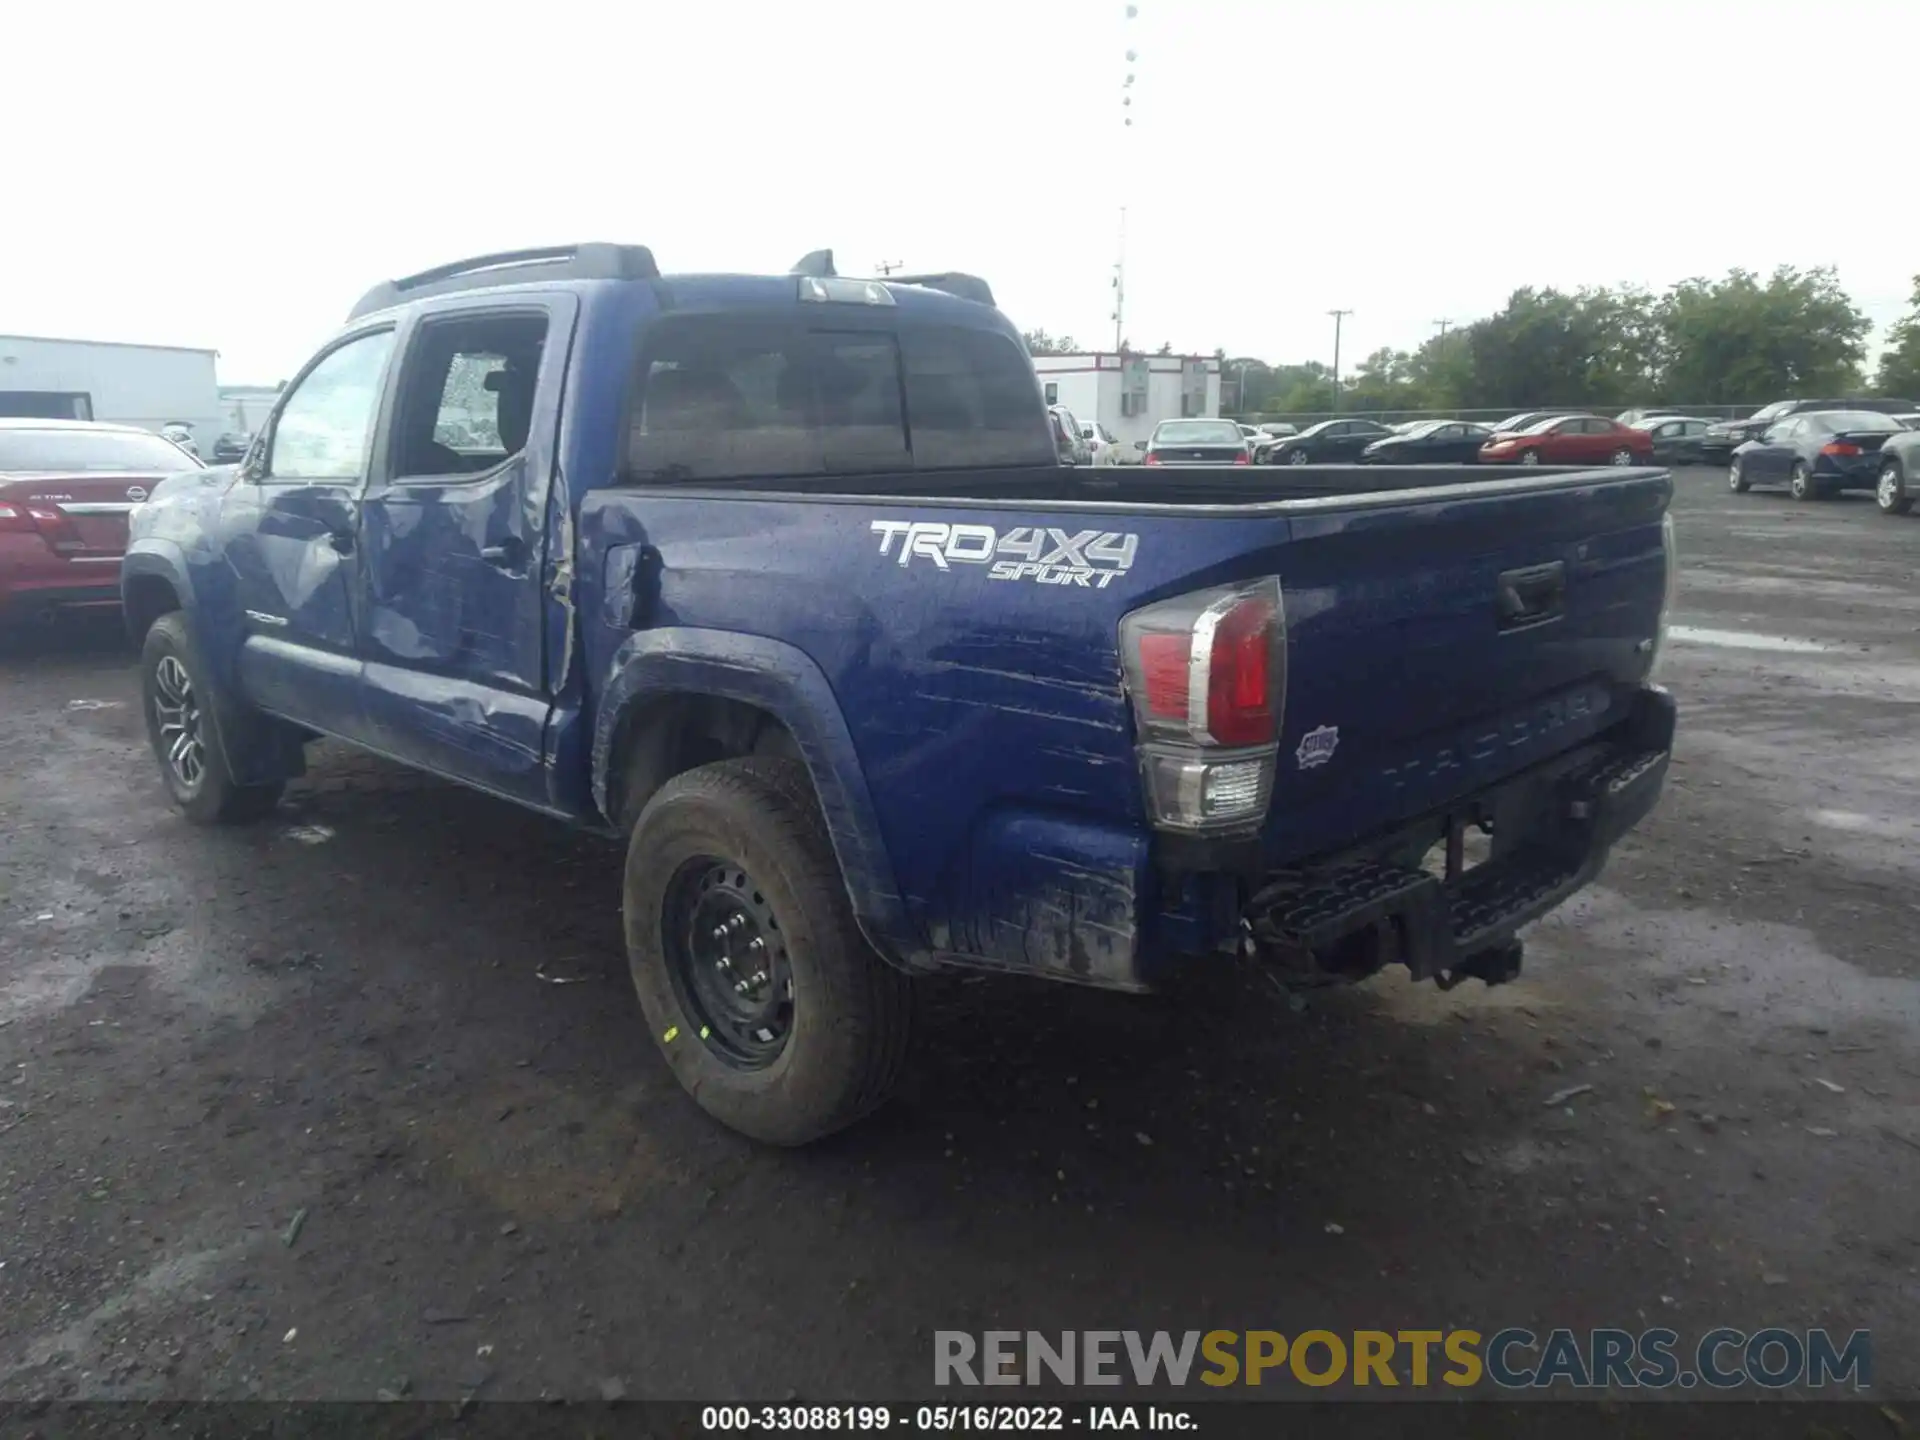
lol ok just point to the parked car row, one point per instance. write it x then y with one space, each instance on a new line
1723 437
1817 454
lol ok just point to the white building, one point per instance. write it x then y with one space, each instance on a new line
1131 394
148 385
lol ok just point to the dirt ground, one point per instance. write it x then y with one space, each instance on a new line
395 1020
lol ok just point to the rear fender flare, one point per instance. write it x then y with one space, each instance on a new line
785 682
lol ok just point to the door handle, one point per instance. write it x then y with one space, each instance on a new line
1532 596
510 554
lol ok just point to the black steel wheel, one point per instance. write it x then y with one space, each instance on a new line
771 1008
727 959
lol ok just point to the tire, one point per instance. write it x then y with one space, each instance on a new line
1620 457
1298 457
188 719
1737 480
1800 483
743 840
1529 457
1890 491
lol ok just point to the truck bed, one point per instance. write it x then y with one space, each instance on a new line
983 691
1209 485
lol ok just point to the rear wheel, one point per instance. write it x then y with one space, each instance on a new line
1800 483
1890 491
184 711
1737 479
1296 457
1621 457
769 1005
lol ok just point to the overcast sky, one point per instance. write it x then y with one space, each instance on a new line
234 176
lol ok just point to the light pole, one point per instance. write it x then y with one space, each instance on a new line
1240 385
1338 317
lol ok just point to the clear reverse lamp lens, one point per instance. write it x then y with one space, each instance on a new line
1187 792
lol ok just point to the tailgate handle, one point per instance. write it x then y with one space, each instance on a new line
1532 596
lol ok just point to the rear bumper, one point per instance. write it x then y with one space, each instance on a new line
32 581
1102 904
1553 827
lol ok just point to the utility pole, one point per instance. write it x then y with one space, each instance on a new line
1443 326
1338 317
887 267
1240 385
1120 287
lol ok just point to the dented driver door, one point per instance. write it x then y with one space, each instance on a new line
290 536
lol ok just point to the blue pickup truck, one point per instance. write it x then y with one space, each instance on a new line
777 579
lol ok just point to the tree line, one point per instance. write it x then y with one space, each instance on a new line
1735 340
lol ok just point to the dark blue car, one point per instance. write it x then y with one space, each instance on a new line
776 581
1816 454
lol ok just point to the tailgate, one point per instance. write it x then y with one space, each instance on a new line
1436 647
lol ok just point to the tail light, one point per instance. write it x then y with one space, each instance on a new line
1243 459
1671 556
1840 447
1207 676
1152 459
49 522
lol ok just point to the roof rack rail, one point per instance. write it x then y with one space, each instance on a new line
966 287
818 263
594 260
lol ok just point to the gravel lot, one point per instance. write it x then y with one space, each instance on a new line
355 1014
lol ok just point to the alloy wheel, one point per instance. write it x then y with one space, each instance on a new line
176 711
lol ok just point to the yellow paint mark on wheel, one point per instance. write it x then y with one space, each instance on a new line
704 1032
672 1032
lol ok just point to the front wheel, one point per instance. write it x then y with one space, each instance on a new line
1737 480
1529 457
769 1005
1890 492
183 710
1297 457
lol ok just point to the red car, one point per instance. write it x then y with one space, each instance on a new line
66 487
1571 440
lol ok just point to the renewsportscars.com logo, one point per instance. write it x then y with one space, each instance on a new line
1771 1358
1044 555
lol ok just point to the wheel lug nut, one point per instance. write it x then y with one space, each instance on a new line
719 932
756 943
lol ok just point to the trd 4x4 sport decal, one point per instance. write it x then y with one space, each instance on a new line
1090 558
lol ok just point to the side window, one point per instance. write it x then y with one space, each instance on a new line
466 397
971 399
324 426
1053 393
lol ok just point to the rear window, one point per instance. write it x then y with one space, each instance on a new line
104 451
742 397
1859 420
1198 432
